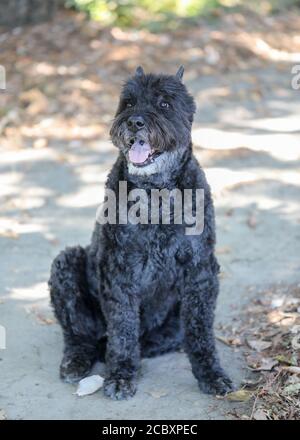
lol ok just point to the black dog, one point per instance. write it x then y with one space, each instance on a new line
140 290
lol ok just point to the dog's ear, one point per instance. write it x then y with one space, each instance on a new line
179 73
139 71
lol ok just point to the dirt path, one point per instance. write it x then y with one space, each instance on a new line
247 137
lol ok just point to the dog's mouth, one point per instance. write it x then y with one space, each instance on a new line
141 153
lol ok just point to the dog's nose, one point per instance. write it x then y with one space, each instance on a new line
135 123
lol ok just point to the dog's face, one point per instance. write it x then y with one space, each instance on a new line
152 126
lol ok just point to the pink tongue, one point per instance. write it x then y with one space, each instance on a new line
139 152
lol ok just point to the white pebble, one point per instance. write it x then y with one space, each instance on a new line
89 385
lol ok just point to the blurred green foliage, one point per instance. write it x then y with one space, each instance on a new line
138 12
154 13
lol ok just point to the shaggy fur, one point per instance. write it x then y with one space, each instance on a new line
143 290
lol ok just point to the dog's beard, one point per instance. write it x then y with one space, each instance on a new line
148 151
166 161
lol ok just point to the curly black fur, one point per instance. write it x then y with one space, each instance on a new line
143 290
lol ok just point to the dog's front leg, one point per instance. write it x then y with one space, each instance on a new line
197 310
122 351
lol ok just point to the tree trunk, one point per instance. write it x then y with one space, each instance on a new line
19 12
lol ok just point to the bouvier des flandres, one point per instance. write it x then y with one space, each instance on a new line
141 290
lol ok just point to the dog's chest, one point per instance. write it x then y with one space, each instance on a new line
150 254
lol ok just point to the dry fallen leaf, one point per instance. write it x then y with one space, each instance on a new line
3 415
250 382
89 385
292 389
157 394
260 414
44 320
244 417
293 370
258 345
239 396
9 233
275 316
223 250
295 329
296 342
266 364
272 329
283 359
229 212
230 341
41 317
34 101
252 221
254 360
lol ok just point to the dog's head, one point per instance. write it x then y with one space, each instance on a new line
152 126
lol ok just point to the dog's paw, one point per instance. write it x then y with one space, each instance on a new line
119 389
219 384
73 368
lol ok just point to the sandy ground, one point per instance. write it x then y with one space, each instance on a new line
251 152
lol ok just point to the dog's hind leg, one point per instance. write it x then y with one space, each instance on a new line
163 339
77 311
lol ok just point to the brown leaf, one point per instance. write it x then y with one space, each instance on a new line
229 212
223 250
34 101
44 320
41 317
230 341
254 360
9 233
275 316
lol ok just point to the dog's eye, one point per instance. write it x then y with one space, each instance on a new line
129 104
164 104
